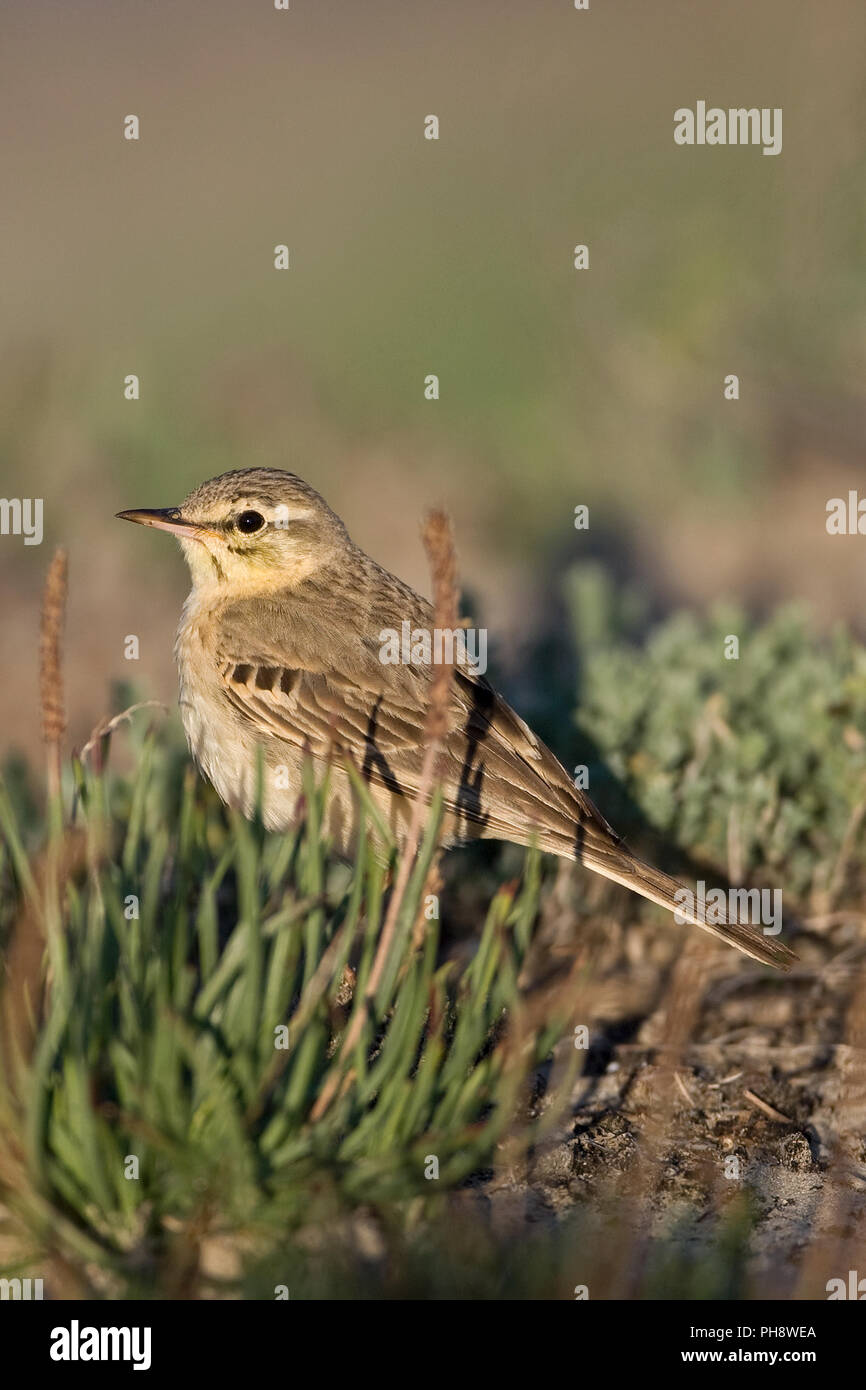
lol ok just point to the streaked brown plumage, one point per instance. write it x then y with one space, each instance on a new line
279 648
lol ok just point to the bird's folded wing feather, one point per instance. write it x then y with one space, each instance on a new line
497 773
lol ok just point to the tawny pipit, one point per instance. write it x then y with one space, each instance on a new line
280 649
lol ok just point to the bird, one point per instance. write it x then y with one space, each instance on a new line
280 655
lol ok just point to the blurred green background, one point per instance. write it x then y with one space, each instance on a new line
411 257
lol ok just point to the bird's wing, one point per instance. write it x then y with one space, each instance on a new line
498 777
524 787
318 710
496 774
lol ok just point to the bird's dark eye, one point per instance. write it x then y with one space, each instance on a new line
250 521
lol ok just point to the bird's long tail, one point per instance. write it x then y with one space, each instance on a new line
618 864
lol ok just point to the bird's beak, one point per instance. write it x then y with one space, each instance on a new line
169 519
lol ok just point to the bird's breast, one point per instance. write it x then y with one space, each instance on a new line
221 747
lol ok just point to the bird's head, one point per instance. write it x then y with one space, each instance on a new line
251 531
